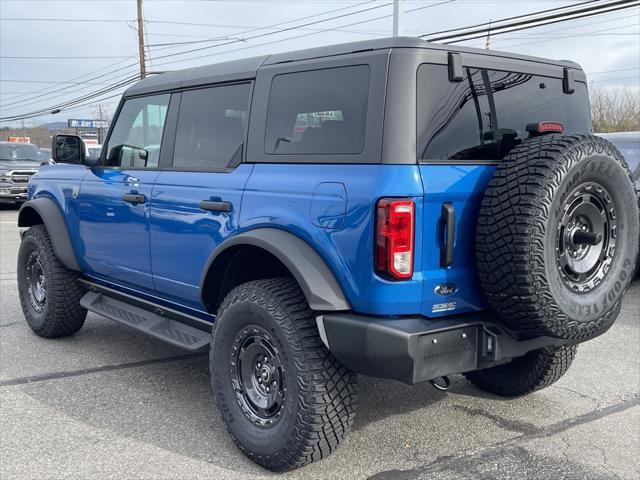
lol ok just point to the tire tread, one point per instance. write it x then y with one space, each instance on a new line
64 315
328 390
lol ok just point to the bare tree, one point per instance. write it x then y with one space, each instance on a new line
615 109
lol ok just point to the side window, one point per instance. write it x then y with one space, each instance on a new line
211 126
318 112
485 116
137 134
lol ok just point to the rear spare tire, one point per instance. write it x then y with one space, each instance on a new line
557 236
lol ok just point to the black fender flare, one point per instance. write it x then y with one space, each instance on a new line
319 285
47 210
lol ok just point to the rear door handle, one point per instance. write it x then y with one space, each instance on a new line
134 198
216 206
448 235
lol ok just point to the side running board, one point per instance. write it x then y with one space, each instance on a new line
171 331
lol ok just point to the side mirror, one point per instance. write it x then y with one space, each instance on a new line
67 149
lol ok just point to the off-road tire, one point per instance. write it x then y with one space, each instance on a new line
536 370
319 394
60 314
518 233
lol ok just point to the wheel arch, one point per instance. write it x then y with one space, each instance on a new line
44 211
276 251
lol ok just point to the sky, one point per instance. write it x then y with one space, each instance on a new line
95 41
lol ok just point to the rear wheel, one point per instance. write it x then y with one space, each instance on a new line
536 370
286 401
49 292
557 236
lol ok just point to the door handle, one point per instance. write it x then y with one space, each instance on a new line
448 234
134 198
216 206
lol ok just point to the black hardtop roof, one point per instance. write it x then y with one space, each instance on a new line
247 68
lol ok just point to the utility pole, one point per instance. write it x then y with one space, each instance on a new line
143 69
397 17
487 44
101 120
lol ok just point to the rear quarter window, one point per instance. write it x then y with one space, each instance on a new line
485 116
318 112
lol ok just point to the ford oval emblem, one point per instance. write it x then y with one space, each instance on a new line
446 289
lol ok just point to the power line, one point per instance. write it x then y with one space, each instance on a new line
297 36
508 18
278 31
594 33
83 20
128 66
599 22
59 57
73 102
49 82
256 29
77 107
47 91
28 101
534 22
526 25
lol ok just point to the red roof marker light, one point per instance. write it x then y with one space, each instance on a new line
544 127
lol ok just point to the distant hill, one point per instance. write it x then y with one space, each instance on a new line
54 125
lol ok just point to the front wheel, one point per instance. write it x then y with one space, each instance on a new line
285 399
49 292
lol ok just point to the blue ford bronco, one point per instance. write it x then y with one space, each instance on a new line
391 208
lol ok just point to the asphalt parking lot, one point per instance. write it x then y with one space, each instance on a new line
112 403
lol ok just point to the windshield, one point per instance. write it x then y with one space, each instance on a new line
17 153
94 151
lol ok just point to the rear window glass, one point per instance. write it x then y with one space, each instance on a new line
318 112
485 116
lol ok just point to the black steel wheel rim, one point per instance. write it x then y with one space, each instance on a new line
586 240
257 376
36 282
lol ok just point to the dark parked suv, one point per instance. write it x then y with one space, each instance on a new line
18 162
391 208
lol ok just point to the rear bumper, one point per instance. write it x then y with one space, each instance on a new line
417 349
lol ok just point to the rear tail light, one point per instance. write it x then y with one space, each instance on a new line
394 237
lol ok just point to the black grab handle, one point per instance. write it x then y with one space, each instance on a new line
448 223
216 206
134 198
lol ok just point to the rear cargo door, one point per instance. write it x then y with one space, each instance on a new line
464 129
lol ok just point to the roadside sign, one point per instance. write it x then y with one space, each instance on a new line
86 123
84 134
19 139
